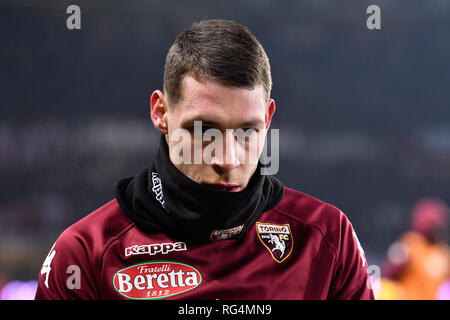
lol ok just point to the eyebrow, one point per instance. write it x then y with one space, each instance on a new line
249 123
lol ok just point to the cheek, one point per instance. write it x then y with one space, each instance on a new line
250 149
179 148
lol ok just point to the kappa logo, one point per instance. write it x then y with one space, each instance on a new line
154 248
46 266
157 189
277 238
156 280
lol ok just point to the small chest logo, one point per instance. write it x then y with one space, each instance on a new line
156 280
217 235
277 238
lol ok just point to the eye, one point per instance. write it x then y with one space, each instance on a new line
205 128
246 135
250 131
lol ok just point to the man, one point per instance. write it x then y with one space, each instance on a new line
209 226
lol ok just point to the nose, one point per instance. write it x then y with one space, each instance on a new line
230 158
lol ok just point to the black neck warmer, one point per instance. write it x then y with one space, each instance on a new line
162 199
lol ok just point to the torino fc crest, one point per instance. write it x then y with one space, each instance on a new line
277 238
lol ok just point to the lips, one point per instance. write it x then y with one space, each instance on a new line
226 187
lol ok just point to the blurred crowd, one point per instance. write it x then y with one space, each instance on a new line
417 264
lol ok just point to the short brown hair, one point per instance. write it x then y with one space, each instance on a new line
219 50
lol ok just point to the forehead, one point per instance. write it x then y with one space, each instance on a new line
225 105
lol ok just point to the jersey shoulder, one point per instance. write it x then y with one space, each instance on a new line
309 211
98 228
79 249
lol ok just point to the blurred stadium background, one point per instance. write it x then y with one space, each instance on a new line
364 115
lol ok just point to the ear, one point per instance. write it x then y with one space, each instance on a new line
270 110
158 111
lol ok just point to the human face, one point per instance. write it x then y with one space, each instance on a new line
223 108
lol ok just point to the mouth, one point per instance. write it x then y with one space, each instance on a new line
226 187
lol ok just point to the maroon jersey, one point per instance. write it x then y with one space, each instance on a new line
301 249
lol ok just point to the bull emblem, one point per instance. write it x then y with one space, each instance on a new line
278 243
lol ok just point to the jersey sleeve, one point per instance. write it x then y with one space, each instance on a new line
67 272
351 279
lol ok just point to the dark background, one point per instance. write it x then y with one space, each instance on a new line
364 115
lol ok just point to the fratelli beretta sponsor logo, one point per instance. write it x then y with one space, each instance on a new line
156 280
